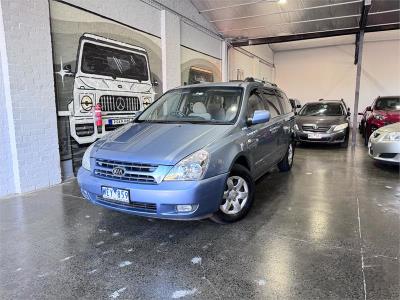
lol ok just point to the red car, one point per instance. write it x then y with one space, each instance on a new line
384 111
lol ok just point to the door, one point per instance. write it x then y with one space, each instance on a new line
276 126
288 120
258 137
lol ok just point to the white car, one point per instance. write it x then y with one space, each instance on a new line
384 144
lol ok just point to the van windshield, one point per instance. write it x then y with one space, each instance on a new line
107 61
322 109
216 105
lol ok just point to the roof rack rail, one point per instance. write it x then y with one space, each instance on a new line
252 79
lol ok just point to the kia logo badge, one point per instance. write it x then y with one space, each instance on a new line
118 171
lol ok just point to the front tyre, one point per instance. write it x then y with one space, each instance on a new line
287 162
237 198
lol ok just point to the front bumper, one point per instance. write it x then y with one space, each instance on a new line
158 200
384 151
325 137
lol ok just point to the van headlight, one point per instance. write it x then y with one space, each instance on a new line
86 157
341 127
392 136
192 167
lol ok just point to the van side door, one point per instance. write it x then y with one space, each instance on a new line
276 129
257 136
288 120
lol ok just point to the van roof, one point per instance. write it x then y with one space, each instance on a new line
108 40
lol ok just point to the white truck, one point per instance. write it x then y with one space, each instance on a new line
113 74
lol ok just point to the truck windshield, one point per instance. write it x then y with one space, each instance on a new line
216 105
107 61
322 109
389 103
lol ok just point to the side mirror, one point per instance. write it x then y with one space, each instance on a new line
260 116
298 105
369 108
348 114
155 83
360 114
296 113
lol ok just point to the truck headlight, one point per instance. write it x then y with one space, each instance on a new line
391 136
87 103
147 100
341 127
86 157
192 167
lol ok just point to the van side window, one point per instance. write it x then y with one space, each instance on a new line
254 103
272 103
287 106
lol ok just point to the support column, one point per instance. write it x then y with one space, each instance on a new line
225 61
358 80
170 50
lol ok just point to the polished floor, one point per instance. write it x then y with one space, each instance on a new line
328 229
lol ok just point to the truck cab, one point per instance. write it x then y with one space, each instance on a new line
112 76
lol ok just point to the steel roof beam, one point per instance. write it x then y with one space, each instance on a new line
287 11
362 25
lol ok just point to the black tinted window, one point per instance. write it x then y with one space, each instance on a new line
287 107
107 61
272 103
255 103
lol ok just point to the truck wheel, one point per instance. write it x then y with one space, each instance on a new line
287 162
237 198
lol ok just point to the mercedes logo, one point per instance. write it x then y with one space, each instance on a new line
118 171
120 103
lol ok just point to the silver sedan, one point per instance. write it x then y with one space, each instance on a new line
384 144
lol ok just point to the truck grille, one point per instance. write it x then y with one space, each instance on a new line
317 129
134 172
119 103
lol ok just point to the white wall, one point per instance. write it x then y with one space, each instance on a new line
30 136
254 61
329 72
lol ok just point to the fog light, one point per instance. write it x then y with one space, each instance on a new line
85 194
184 208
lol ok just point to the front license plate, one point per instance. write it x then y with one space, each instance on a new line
115 194
314 136
119 121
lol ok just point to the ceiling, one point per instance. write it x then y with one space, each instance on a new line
251 19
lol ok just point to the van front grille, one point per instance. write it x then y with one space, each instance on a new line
133 172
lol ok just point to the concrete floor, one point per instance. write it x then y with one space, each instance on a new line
328 229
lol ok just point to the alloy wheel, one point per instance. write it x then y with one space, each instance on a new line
235 195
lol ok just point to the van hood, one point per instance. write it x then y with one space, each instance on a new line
119 85
156 143
320 120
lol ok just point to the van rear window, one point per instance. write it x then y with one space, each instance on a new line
108 61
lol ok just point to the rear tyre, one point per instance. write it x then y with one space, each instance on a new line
237 198
286 163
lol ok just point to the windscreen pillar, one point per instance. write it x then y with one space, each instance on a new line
29 155
170 50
